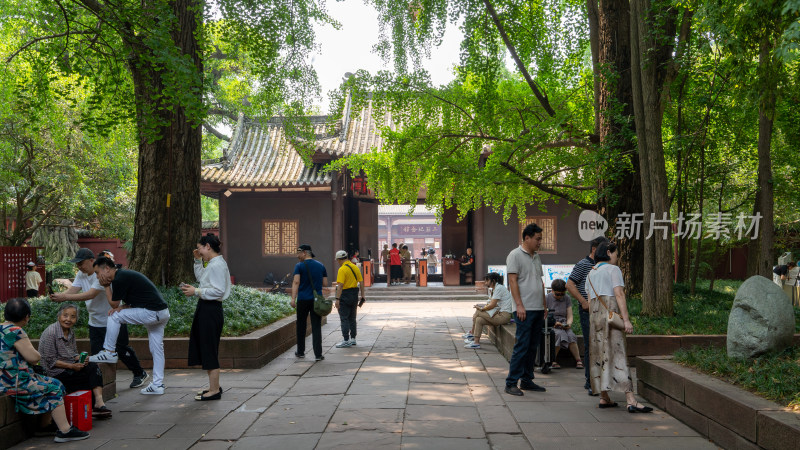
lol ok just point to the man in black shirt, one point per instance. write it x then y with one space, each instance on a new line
143 306
467 266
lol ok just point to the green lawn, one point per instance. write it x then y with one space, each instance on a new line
774 376
246 310
705 312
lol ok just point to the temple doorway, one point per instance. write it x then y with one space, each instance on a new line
418 231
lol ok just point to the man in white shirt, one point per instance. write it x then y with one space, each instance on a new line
524 269
87 288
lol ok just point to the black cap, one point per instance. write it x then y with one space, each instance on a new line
305 248
82 255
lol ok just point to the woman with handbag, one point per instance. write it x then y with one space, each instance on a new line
609 321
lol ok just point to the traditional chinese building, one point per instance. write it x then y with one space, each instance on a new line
270 201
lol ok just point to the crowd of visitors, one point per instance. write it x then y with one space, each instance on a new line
115 296
596 283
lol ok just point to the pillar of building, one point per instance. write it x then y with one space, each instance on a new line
478 242
337 195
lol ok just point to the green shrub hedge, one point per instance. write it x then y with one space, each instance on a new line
773 376
705 312
63 269
246 310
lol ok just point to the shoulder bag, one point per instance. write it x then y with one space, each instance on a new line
322 305
614 319
360 302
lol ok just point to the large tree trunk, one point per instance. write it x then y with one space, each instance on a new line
619 180
168 217
761 253
648 75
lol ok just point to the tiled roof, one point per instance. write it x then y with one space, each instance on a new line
261 155
360 134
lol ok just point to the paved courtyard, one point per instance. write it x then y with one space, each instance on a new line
408 384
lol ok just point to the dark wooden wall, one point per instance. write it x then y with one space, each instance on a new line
241 231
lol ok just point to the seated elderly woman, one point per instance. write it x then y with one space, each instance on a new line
496 312
560 304
32 393
60 360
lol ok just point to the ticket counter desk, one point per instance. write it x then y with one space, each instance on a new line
451 275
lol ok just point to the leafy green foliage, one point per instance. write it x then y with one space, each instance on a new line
773 376
246 310
490 137
62 156
62 269
150 73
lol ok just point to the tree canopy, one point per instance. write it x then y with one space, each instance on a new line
512 138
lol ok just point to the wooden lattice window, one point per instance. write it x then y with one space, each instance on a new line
548 226
279 237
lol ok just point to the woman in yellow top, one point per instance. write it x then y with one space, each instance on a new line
348 283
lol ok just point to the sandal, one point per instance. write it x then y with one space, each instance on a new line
579 364
555 365
203 398
640 409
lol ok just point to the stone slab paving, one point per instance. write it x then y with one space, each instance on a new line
408 384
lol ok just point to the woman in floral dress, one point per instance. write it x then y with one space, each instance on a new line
32 393
609 370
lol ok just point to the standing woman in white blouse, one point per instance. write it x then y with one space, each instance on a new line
609 362
215 286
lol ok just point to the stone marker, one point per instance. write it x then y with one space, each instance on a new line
761 319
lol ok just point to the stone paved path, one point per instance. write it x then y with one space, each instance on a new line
408 384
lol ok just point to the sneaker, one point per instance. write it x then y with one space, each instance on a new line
467 335
299 355
320 357
472 345
104 356
469 340
73 434
532 387
513 390
344 344
352 342
152 389
138 380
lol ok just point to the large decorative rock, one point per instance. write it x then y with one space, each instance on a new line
761 319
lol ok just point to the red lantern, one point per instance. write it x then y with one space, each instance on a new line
360 185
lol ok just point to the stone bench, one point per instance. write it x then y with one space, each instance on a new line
637 344
722 412
504 337
16 427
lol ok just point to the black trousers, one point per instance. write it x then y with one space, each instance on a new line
32 293
348 307
85 380
97 336
304 309
205 334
